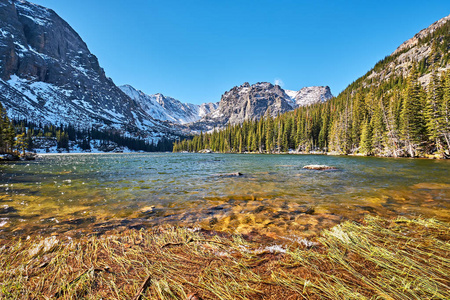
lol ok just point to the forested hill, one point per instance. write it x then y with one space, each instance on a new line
399 108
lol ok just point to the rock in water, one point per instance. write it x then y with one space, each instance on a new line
235 174
319 167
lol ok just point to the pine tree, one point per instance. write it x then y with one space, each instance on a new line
269 134
21 142
411 119
444 109
358 115
366 138
2 132
377 126
323 134
434 119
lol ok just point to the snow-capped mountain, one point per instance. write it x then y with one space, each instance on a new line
310 95
48 75
247 102
167 108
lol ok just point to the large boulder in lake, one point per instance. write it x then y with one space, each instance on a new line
319 167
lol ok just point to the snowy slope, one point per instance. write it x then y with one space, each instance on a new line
165 108
310 95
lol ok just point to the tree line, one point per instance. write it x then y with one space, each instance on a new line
18 136
69 134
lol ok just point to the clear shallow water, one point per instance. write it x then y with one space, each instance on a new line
76 193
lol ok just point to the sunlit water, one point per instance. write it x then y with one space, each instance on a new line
75 194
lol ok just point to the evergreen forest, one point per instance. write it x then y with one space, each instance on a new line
17 137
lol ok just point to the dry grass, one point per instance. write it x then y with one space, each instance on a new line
378 259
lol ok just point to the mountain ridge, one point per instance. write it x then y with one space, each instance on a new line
247 102
166 108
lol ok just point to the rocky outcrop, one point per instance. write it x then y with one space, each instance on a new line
246 102
251 101
421 34
415 50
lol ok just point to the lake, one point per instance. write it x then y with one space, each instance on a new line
77 193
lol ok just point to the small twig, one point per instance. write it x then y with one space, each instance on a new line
143 287
177 244
43 265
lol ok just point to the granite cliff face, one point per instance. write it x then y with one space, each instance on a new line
48 75
247 102
251 101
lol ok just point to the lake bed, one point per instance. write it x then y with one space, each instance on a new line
75 194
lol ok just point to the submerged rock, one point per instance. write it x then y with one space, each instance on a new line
235 174
319 167
44 246
305 210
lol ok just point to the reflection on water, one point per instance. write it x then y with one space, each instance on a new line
60 193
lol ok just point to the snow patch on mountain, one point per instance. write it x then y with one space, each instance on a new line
166 108
310 95
49 104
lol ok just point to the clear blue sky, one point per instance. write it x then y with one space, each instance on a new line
196 50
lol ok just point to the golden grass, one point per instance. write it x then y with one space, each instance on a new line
378 259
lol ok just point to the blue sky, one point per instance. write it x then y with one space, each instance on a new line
194 51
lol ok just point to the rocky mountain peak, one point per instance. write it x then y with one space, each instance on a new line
310 95
245 102
166 108
418 51
421 34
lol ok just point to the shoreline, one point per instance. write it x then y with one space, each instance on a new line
252 153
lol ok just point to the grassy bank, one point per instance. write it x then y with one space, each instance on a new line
378 259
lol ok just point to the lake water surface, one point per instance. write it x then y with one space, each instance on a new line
74 194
